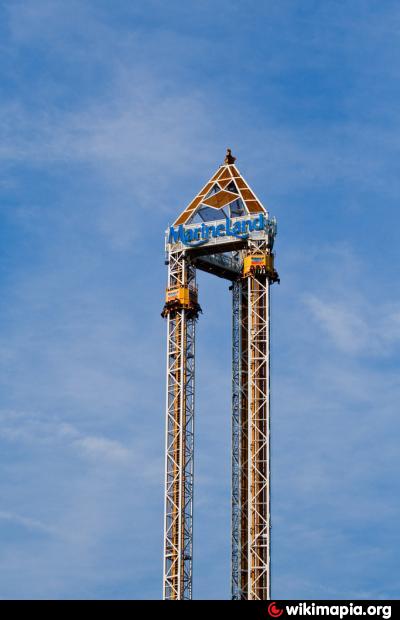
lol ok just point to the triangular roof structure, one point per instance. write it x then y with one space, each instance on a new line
225 195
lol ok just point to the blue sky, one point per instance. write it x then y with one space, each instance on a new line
112 116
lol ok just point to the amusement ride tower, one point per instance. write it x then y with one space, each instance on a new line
227 232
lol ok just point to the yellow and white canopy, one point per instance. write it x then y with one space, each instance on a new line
225 195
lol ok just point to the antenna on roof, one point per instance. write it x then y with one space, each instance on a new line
229 159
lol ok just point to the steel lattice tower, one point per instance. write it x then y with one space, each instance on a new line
227 232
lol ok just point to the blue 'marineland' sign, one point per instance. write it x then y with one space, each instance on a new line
199 235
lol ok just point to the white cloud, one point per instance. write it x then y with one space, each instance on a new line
31 524
358 327
101 448
348 331
32 428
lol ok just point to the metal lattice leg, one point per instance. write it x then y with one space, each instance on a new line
178 533
258 440
244 433
236 438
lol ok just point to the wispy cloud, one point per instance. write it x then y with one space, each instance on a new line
358 327
107 115
31 524
103 448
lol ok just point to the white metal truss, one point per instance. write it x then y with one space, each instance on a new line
236 438
258 439
250 440
178 534
244 432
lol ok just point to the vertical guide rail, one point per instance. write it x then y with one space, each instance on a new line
188 469
236 438
258 440
244 454
178 529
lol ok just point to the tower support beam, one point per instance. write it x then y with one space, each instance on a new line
236 437
258 483
179 435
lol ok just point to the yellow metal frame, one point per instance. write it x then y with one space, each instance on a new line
183 295
258 262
